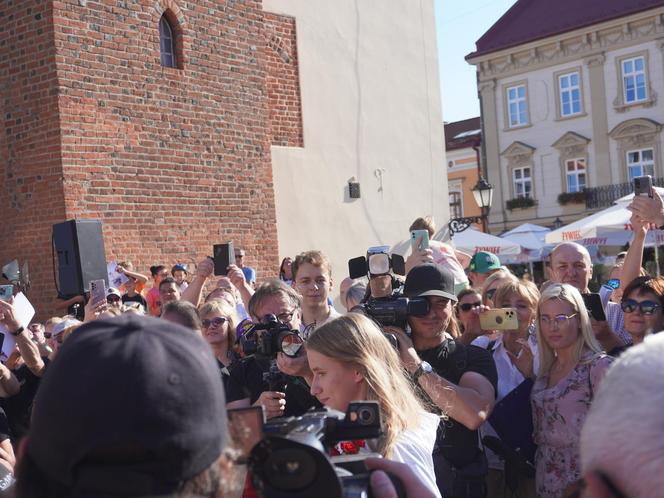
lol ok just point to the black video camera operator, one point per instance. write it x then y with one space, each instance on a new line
251 378
460 380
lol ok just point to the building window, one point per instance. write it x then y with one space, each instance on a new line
523 184
167 43
575 169
570 94
634 80
640 163
456 206
517 106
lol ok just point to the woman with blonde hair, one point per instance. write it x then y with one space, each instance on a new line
219 320
571 367
352 360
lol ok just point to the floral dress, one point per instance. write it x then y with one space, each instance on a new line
558 416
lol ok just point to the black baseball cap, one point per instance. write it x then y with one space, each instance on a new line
430 279
130 406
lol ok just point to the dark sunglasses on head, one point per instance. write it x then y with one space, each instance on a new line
469 306
646 307
216 322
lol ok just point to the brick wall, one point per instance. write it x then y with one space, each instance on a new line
31 197
171 160
283 81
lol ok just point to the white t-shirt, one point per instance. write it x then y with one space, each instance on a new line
415 447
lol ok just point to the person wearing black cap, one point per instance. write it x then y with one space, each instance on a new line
131 406
460 380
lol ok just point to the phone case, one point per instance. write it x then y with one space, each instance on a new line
499 319
97 291
415 234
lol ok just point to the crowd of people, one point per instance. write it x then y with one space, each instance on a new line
488 385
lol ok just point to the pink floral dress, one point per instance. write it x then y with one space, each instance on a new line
558 415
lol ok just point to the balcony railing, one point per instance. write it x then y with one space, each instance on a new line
606 195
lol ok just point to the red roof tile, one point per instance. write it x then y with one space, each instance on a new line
529 20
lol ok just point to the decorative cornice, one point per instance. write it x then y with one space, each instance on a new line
588 44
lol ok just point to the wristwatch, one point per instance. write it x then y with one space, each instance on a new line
424 368
18 331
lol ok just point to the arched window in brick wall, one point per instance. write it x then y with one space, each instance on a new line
167 43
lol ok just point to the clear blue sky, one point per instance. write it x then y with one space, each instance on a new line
459 23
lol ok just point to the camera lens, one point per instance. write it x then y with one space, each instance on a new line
366 416
291 344
290 469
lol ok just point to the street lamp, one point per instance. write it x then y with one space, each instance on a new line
557 223
483 194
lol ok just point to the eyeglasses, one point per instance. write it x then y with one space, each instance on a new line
284 317
469 306
216 322
490 292
559 320
646 307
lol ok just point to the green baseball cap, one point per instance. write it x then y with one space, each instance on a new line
484 262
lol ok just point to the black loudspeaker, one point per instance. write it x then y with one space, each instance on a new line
81 255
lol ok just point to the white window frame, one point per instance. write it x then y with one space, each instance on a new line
570 91
518 101
645 167
633 76
523 181
576 173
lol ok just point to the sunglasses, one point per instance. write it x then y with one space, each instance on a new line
113 299
646 307
215 322
47 335
489 293
469 306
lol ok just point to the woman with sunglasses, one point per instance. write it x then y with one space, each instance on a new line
492 283
571 368
643 306
469 300
219 321
351 360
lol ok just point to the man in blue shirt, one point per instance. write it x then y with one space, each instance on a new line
249 272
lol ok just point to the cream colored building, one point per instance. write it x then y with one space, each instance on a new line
371 112
462 142
571 99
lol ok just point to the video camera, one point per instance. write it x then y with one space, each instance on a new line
377 262
393 310
276 338
292 458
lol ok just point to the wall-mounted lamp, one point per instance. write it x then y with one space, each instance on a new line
353 188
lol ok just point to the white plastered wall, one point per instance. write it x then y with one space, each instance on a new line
371 107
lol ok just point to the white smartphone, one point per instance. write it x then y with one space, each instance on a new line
416 234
